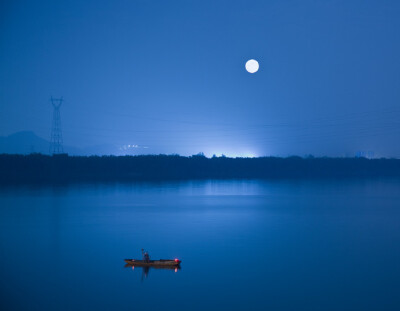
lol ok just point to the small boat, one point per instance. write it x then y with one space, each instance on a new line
176 268
154 263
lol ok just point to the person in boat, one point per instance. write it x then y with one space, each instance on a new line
146 256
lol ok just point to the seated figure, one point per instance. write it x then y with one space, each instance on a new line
146 256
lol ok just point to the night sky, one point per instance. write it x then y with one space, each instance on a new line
170 75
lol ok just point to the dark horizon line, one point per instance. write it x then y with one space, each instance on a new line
200 154
38 168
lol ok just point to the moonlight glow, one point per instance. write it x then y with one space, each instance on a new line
252 66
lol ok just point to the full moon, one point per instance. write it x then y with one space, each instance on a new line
252 66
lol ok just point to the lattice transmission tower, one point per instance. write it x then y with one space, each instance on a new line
56 140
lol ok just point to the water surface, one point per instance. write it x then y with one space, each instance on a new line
245 245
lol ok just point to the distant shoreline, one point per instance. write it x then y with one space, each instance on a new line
38 168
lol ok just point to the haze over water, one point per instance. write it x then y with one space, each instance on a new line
244 245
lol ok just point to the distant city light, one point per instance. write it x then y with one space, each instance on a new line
234 155
128 147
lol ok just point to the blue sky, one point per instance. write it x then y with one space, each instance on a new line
170 75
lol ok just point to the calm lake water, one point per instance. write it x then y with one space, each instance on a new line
244 245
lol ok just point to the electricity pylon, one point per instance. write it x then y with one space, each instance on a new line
56 140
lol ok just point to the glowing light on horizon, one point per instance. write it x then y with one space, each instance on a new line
128 147
234 155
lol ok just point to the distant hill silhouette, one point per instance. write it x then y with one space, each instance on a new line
24 142
36 168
